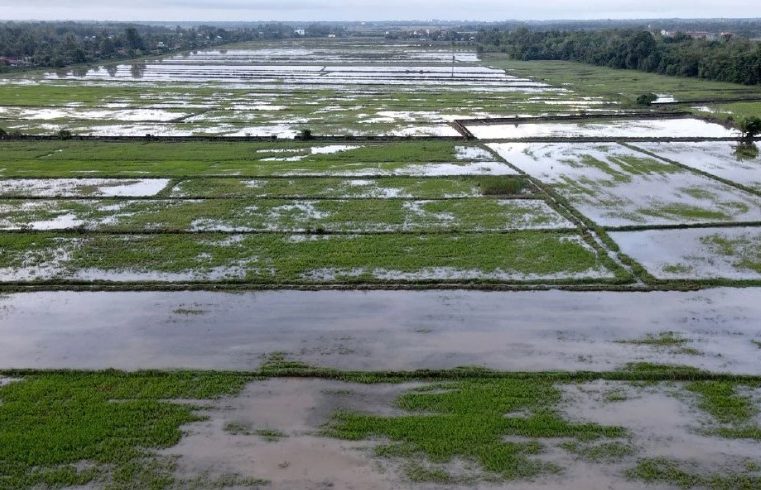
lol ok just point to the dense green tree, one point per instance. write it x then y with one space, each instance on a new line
733 60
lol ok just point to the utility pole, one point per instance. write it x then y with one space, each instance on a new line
453 58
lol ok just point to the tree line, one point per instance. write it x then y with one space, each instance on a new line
729 59
60 44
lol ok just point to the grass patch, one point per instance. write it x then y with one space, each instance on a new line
671 472
502 186
471 420
74 429
665 340
277 259
605 452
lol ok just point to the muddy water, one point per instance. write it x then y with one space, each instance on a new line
662 421
552 330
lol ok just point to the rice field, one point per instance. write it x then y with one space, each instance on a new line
582 264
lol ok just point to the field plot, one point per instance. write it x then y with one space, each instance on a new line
605 128
703 253
299 259
623 85
170 213
722 160
260 89
358 215
91 159
616 186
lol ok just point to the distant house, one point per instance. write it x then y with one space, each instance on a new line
14 62
300 32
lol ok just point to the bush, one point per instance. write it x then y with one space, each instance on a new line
306 134
65 134
750 127
646 99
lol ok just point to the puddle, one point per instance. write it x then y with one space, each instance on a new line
82 187
518 331
301 458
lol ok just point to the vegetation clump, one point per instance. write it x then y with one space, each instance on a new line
750 127
497 423
646 99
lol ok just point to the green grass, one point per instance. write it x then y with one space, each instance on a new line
735 111
471 420
671 472
61 429
600 452
365 215
51 423
276 259
621 85
502 186
665 340
721 401
94 159
326 187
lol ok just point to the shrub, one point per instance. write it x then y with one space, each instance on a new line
65 134
646 99
306 134
750 127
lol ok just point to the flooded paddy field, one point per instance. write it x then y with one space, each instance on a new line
605 128
724 160
314 214
535 314
615 185
701 253
383 330
279 90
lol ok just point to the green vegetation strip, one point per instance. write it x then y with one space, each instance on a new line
361 216
68 428
277 259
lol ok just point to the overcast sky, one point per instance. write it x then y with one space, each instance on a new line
253 10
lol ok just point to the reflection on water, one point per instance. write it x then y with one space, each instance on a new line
746 151
138 70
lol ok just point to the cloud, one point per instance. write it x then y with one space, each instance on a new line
247 10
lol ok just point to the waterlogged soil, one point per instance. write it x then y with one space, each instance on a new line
273 431
515 331
292 454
